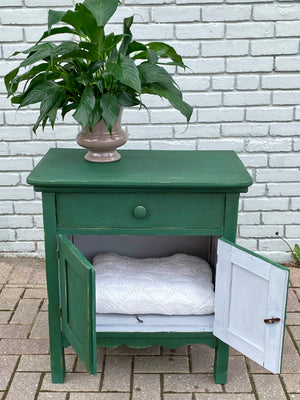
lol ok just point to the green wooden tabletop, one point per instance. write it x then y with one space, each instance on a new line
142 169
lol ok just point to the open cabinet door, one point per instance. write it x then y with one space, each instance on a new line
250 304
77 288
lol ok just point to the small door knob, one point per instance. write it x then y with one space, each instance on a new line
140 212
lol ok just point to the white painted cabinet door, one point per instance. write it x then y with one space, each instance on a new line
250 304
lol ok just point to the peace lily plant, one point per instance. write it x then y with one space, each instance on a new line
95 74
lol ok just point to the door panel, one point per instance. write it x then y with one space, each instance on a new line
249 290
77 288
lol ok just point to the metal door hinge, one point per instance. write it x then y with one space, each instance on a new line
60 312
57 253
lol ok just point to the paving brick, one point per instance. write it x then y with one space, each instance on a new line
179 351
41 363
24 346
190 383
293 319
224 396
100 396
295 277
117 374
5 271
21 275
9 297
294 396
255 368
100 357
26 311
24 385
291 363
238 379
289 347
39 277
129 351
40 293
293 301
5 317
14 331
51 396
161 364
269 387
202 358
292 382
40 327
178 396
8 364
295 331
74 382
146 386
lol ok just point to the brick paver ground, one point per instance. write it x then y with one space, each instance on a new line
153 373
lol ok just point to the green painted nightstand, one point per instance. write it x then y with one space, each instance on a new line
146 195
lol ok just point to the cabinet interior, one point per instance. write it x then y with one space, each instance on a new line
145 246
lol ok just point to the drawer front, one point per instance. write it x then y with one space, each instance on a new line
136 210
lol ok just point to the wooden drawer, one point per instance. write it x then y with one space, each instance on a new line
140 210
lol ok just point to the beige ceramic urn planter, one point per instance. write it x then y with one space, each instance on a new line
101 144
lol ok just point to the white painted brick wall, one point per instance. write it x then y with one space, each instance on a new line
243 81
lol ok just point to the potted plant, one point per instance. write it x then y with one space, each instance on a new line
93 76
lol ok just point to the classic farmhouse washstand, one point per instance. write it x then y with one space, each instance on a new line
155 203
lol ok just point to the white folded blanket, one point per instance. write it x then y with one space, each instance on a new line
177 285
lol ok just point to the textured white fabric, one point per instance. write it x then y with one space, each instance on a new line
177 285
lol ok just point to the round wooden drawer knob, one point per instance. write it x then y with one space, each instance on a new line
140 212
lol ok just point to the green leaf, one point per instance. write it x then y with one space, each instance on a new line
78 54
8 79
110 110
95 115
88 23
150 73
171 93
39 52
36 93
95 65
65 47
85 106
68 107
111 41
74 19
54 17
128 99
136 46
53 110
126 72
166 51
127 35
99 84
49 104
57 31
103 10
296 252
152 56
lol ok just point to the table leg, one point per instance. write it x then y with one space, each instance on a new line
55 335
221 362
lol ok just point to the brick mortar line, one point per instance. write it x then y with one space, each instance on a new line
39 386
131 378
15 308
11 378
251 380
35 318
103 370
284 387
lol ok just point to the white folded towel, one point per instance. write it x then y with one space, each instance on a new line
177 285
